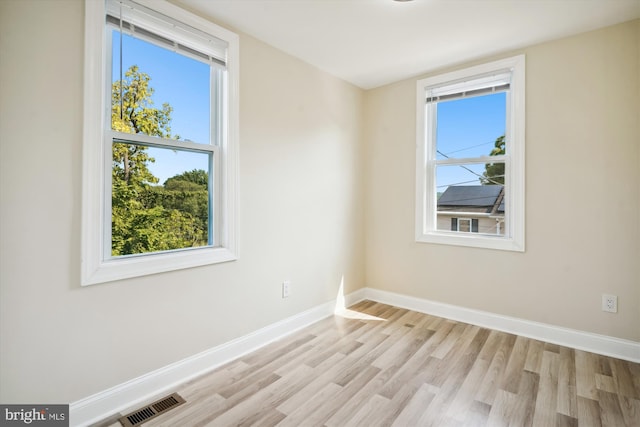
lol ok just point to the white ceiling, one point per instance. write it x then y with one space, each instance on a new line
374 42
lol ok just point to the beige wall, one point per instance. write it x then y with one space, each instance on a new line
301 218
582 195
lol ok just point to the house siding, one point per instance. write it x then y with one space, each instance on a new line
485 225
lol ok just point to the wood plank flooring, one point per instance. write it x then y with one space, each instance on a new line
379 365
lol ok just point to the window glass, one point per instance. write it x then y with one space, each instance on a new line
469 127
461 190
161 203
464 174
164 93
161 196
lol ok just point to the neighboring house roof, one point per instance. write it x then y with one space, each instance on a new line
470 195
476 198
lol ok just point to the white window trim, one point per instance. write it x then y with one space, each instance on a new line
426 198
95 267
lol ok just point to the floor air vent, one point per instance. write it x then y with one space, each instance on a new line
151 411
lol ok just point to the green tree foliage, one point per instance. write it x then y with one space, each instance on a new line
494 172
132 111
182 193
195 177
146 217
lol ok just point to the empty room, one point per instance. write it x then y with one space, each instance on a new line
320 213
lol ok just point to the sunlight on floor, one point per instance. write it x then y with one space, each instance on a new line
351 314
343 311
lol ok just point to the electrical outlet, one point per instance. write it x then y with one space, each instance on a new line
286 289
610 303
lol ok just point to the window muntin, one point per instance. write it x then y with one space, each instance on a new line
470 129
206 152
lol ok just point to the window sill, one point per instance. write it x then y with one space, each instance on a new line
472 240
142 265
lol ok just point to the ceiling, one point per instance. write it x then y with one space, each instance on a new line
374 42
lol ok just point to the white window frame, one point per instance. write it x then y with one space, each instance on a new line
426 194
97 266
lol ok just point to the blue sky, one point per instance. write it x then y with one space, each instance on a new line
468 127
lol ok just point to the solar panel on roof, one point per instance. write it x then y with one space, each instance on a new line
470 195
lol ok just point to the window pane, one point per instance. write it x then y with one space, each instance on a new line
160 199
471 127
467 193
163 93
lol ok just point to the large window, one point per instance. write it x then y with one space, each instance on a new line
470 157
160 140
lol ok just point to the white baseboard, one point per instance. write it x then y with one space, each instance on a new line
142 389
600 344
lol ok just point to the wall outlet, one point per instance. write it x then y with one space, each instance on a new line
610 303
286 288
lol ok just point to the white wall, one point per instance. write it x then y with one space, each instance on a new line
301 217
582 194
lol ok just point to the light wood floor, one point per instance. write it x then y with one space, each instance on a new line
384 366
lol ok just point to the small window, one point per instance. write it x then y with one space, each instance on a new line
160 140
465 225
470 157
